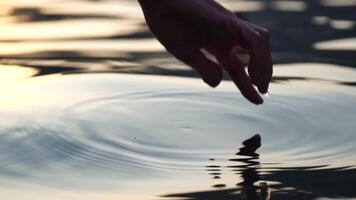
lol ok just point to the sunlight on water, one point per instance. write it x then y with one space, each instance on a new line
127 9
339 44
72 127
244 6
114 46
339 3
289 6
320 20
68 29
342 24
125 130
316 71
12 73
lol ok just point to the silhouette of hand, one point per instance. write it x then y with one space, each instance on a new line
186 27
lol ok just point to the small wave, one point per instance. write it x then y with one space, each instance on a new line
125 124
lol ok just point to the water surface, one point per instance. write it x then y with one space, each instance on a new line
79 120
148 137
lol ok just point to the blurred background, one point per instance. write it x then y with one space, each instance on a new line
54 36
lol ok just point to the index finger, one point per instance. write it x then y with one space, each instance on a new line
260 64
235 67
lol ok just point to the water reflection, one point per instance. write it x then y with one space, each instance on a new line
160 135
264 183
249 171
35 14
81 135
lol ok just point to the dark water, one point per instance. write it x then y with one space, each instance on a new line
73 128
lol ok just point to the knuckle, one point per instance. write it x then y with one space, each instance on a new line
258 39
265 33
261 37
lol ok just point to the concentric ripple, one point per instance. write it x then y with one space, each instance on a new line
137 127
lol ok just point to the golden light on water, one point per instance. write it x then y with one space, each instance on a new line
293 6
12 73
9 76
66 107
67 29
244 6
338 44
143 45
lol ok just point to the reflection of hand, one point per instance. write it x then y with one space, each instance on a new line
185 27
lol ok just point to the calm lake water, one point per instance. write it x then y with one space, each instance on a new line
92 107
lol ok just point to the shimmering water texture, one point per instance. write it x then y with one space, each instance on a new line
73 128
112 136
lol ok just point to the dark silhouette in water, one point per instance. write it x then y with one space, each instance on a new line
249 172
250 146
299 183
247 190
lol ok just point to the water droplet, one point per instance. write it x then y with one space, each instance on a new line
266 95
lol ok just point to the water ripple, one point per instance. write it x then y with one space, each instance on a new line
145 126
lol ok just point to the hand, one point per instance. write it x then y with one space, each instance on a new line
186 27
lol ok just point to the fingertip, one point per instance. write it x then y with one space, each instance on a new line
254 98
263 85
212 82
263 89
213 77
259 101
266 95
244 82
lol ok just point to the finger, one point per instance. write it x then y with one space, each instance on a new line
235 67
256 40
260 64
211 73
260 67
264 74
